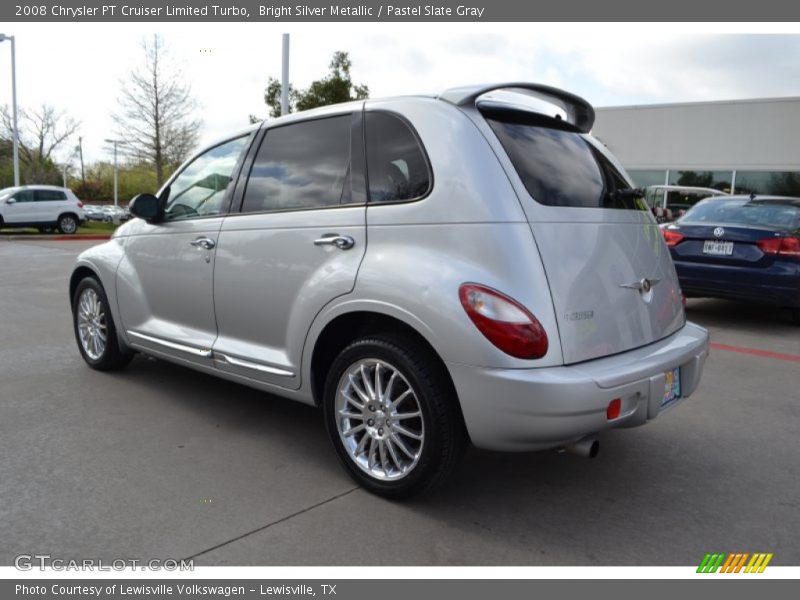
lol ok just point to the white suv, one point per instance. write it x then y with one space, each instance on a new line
41 206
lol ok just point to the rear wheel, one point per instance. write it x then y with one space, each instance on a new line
67 224
95 330
392 415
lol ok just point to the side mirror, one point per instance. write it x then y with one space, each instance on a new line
11 201
147 207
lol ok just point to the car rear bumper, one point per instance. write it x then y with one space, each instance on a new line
534 409
778 284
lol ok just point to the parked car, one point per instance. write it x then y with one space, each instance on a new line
94 212
427 270
741 248
113 213
41 206
669 202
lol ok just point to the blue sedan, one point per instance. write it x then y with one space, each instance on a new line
741 248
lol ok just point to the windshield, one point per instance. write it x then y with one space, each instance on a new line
775 215
6 192
560 167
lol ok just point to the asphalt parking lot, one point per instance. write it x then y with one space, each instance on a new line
160 461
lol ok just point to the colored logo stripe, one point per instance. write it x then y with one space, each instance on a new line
734 562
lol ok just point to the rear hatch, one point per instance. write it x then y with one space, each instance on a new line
612 280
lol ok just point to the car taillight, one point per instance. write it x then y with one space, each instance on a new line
673 238
785 246
80 204
504 321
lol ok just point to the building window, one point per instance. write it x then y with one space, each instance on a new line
778 183
719 180
644 178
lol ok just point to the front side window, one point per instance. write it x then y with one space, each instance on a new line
24 196
302 165
559 167
396 165
199 190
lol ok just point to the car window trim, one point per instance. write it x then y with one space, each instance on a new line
421 146
256 146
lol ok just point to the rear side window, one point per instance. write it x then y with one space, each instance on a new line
48 195
396 165
303 165
560 168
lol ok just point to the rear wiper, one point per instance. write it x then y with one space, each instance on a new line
627 194
624 194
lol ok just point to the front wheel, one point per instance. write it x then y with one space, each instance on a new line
67 224
94 327
392 415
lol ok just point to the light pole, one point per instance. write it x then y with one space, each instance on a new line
3 38
115 143
285 76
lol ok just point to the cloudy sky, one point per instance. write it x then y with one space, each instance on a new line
80 68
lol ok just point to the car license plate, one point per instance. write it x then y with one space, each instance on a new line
718 248
672 386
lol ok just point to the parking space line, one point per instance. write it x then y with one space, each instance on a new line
268 525
756 352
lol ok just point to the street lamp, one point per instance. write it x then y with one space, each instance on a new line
115 143
3 38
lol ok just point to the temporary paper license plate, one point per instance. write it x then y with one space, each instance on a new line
718 248
672 386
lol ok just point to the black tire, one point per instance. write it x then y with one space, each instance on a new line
113 356
445 436
795 315
68 224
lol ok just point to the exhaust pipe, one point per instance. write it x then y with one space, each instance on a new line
587 447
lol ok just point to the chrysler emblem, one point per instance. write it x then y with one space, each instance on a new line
719 232
644 285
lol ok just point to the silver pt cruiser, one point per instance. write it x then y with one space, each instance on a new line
430 271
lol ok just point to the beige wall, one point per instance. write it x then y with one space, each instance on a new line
743 135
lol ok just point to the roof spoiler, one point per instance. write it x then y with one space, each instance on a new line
579 112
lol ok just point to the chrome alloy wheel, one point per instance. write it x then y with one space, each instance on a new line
379 419
68 225
92 328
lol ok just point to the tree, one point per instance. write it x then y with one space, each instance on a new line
42 132
336 87
155 116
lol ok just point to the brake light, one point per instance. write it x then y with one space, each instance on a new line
672 237
80 204
504 321
785 246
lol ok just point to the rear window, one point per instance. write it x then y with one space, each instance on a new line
301 165
559 167
774 215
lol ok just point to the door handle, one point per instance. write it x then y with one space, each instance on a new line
343 242
203 242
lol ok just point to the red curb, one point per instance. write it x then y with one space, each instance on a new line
756 352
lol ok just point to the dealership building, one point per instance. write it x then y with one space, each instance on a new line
740 145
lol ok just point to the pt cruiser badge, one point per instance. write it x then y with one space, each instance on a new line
644 286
